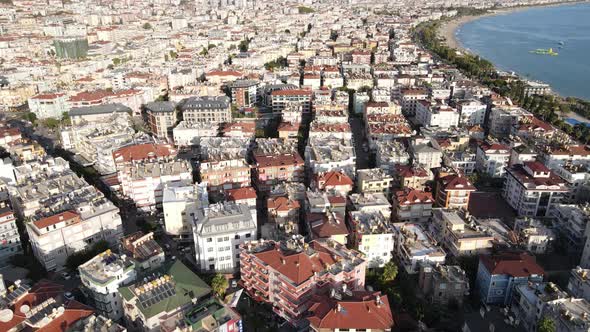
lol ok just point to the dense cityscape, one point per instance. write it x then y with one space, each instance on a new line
251 165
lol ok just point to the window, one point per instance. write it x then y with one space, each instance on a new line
209 240
219 239
210 249
247 235
237 246
237 237
226 238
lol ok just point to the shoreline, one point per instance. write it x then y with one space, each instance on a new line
449 29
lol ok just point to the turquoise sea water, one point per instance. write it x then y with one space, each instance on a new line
506 40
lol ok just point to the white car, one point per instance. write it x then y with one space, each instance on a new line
66 276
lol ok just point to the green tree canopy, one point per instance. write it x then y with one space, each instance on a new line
389 273
546 325
219 284
146 26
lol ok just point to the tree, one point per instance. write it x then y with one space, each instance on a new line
51 123
146 26
287 31
30 116
305 10
389 273
546 325
219 284
244 44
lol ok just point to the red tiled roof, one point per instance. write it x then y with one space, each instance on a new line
333 178
298 267
143 151
47 96
9 132
40 292
324 225
293 92
408 171
74 311
359 312
410 196
281 203
486 146
572 150
288 126
514 264
224 73
456 182
240 194
55 219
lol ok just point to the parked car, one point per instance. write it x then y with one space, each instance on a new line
66 276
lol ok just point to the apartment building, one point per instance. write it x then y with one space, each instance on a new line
443 284
492 159
453 192
412 205
579 283
460 237
410 98
49 105
179 205
440 116
45 305
161 118
573 224
530 302
287 274
101 278
273 169
334 182
144 170
218 231
499 274
244 93
279 99
56 237
351 310
370 202
329 154
178 290
533 235
9 238
410 176
504 118
426 153
373 180
414 246
96 113
146 253
374 235
532 189
189 134
206 109
225 170
283 215
472 112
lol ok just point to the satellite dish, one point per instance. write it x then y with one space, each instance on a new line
6 315
25 308
45 321
61 310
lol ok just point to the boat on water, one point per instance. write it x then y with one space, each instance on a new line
561 43
543 51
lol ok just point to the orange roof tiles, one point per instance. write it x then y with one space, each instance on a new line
55 219
240 194
143 151
514 264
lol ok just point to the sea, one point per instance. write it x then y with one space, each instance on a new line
507 39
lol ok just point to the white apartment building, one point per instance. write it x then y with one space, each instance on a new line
218 230
503 118
102 276
441 116
374 236
426 154
472 112
187 134
458 235
492 159
532 189
49 105
414 246
55 238
330 154
179 205
573 222
9 238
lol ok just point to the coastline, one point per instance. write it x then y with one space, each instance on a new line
449 29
